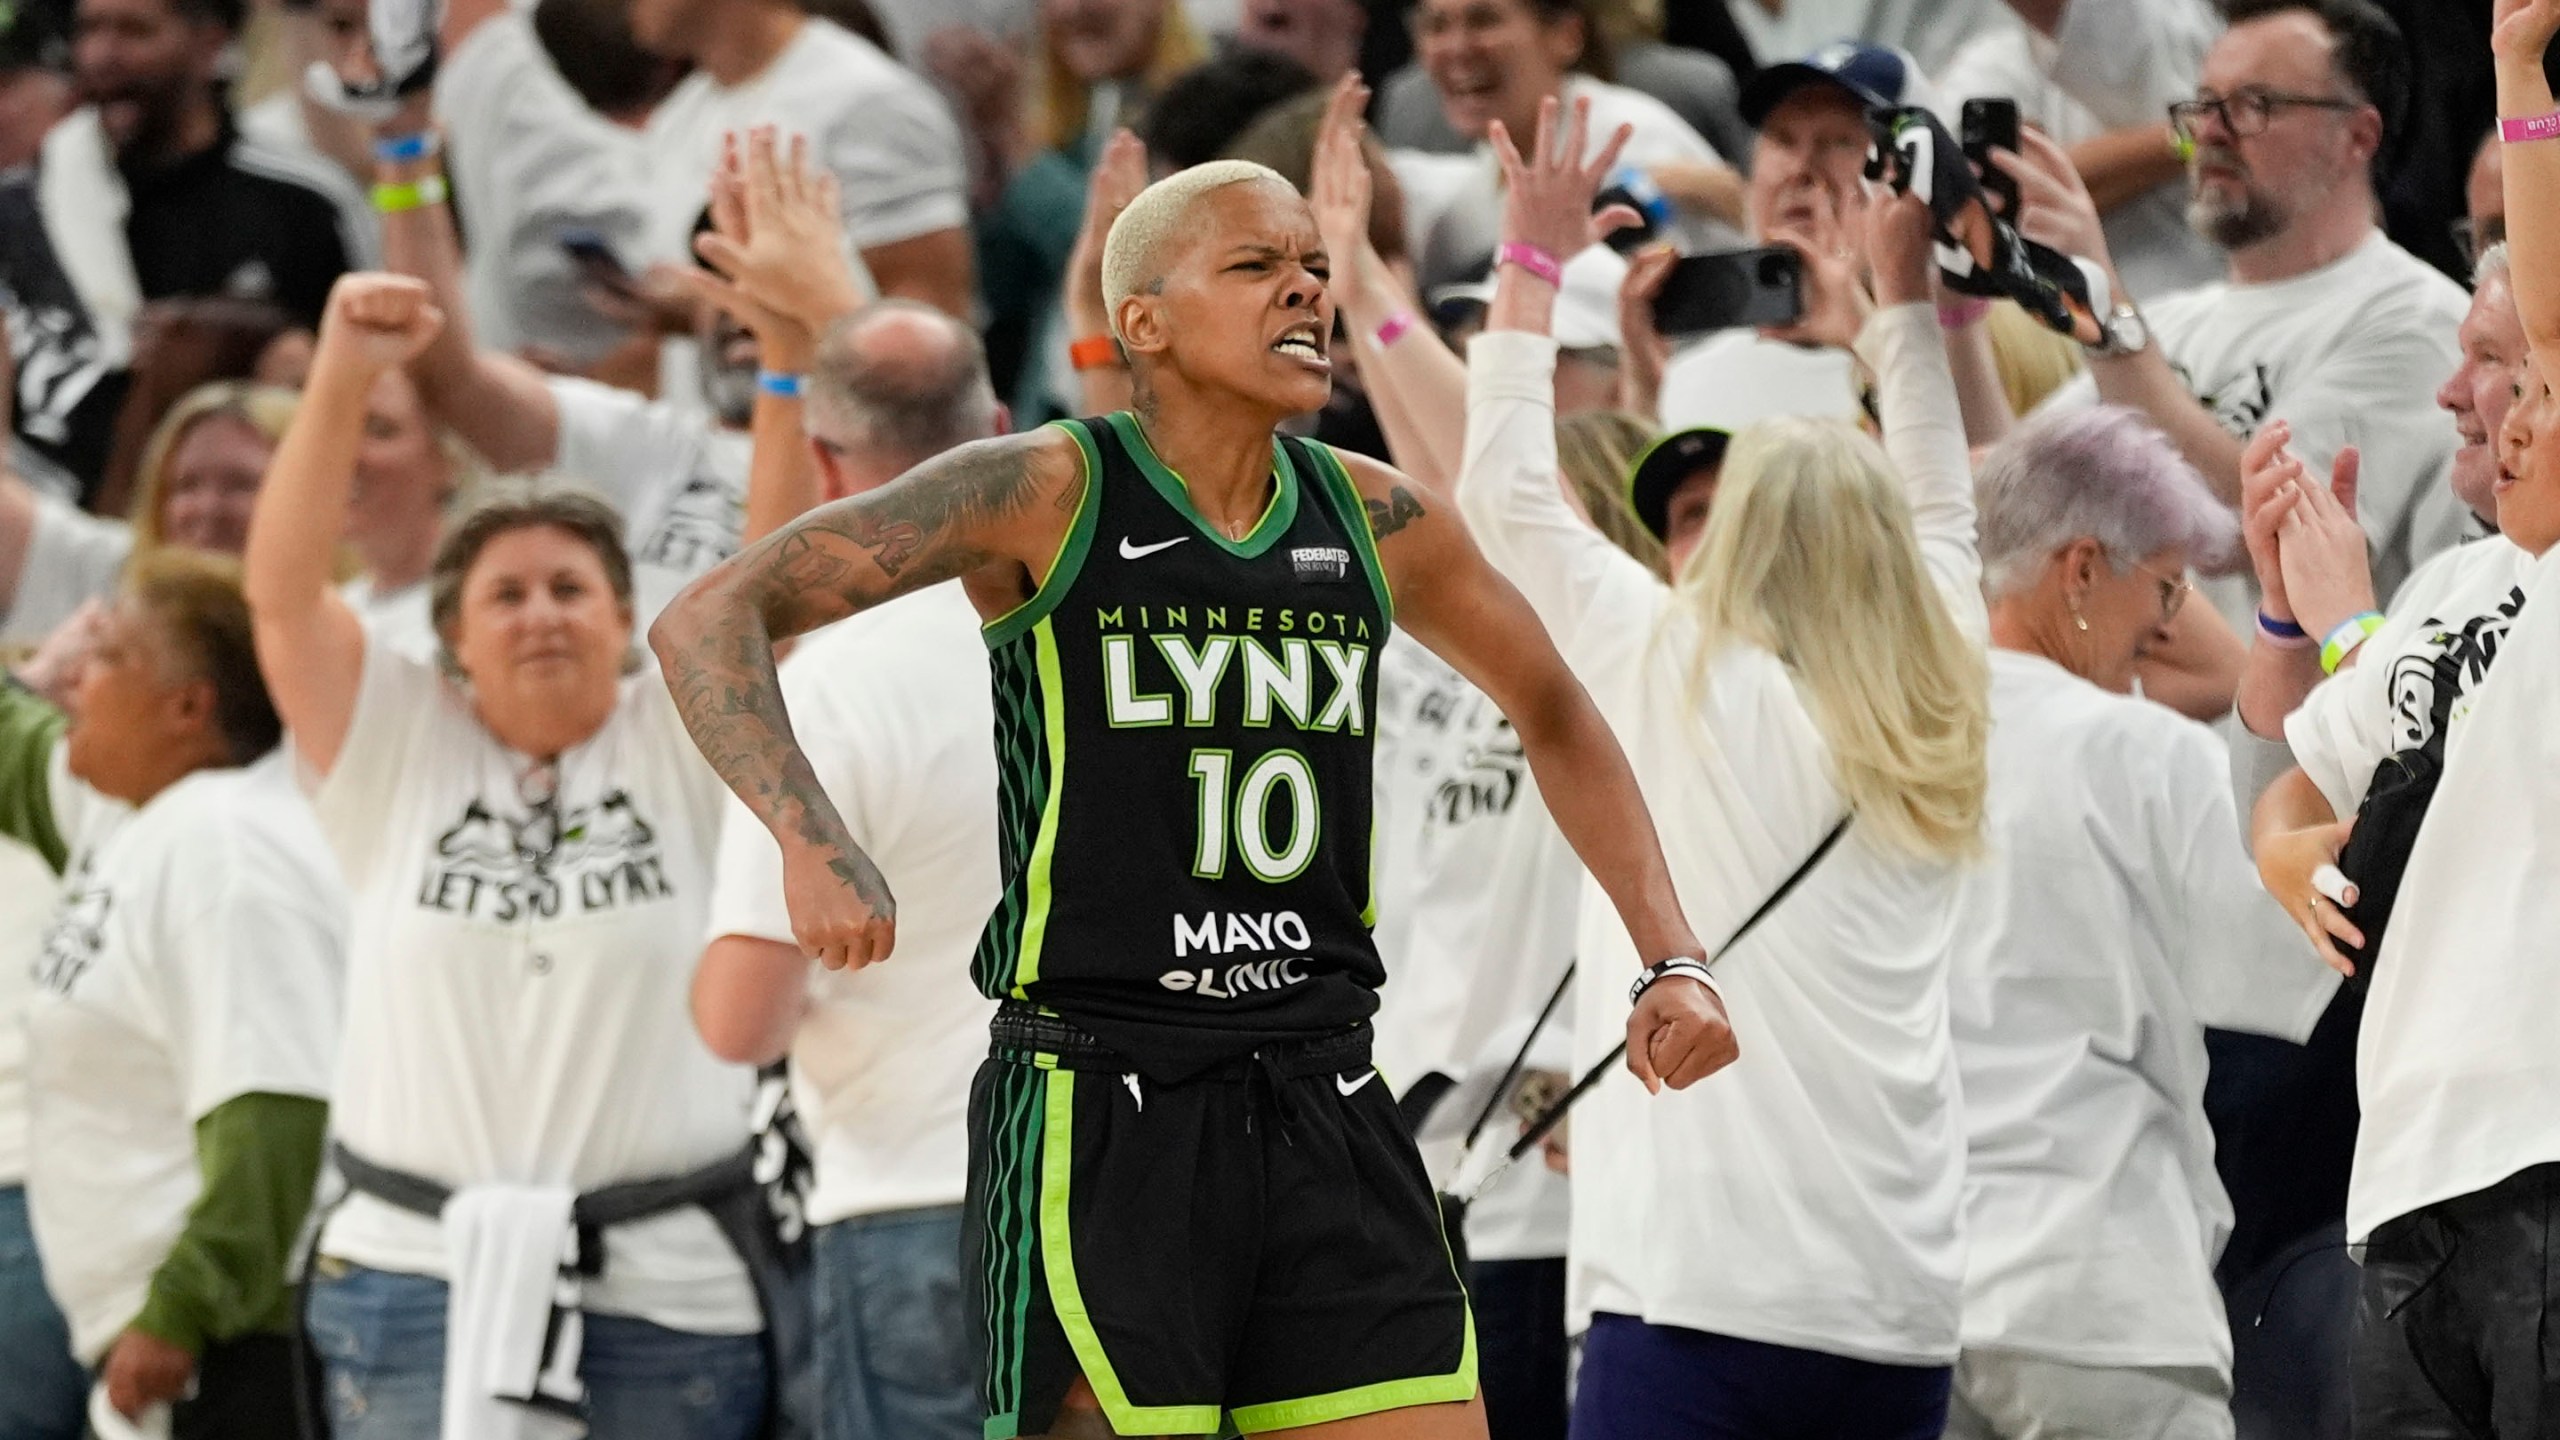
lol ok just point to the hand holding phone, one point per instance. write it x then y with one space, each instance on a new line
1760 288
1988 125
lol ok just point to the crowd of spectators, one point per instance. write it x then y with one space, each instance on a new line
368 922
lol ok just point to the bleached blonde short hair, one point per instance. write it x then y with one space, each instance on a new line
1133 257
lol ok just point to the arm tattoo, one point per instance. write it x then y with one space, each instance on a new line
1392 514
715 642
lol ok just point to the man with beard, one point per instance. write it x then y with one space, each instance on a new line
148 191
2322 321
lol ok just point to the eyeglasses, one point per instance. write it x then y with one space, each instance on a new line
2174 590
2246 111
2473 236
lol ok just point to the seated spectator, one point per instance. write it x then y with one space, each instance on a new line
2323 321
2115 920
881 1058
1495 60
525 831
200 475
148 191
183 1035
877 127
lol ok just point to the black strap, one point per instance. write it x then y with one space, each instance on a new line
1555 1113
1511 1072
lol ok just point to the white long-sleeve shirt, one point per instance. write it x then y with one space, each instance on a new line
1810 1194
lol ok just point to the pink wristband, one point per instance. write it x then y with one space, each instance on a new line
1394 329
1968 311
1532 259
2525 132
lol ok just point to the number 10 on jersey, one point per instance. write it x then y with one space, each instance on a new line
1238 814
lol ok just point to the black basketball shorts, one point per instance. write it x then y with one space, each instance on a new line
1258 1245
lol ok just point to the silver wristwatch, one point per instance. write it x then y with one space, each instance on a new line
2125 332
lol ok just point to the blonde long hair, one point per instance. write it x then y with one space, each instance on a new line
266 409
1062 101
1810 555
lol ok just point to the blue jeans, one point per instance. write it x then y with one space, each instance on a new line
1658 1382
43 1391
895 1358
380 1338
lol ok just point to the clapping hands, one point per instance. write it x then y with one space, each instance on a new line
2303 537
776 247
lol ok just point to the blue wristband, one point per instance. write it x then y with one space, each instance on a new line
400 149
781 385
2281 629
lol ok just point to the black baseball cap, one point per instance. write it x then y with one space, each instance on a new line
1876 76
1662 468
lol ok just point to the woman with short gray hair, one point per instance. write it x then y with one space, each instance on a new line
2116 917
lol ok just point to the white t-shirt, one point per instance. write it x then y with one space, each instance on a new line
1453 203
1932 30
2385 702
2116 918
530 162
518 976
73 557
894 709
2456 1069
1809 1195
29 894
198 956
2155 249
883 131
2127 61
1416 691
679 480
2351 354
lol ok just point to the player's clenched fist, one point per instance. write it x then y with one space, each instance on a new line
376 323
841 911
1678 1034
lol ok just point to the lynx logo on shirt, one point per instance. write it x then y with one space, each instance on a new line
78 932
2240 406
2472 649
699 531
541 863
1487 782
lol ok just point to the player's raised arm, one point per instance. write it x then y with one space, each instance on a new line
992 512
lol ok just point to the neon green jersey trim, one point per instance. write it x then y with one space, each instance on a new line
1044 848
1057 1253
1277 516
1453 1388
1072 546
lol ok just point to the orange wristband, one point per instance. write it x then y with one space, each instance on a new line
1094 352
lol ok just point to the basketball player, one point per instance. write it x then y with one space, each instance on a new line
1189 1201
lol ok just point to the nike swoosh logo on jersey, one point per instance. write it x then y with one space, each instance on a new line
1141 552
1352 1087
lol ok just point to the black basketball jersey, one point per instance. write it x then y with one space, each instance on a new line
1183 729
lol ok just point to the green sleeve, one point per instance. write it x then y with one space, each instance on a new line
260 1157
28 729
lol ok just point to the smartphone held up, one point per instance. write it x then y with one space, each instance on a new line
1727 291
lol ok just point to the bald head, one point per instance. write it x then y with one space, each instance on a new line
1149 235
902 382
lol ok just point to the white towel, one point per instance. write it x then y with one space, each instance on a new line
108 1423
507 1374
81 196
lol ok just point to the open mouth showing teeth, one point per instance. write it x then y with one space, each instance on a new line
1299 344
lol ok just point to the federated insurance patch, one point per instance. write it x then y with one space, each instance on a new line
1321 564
